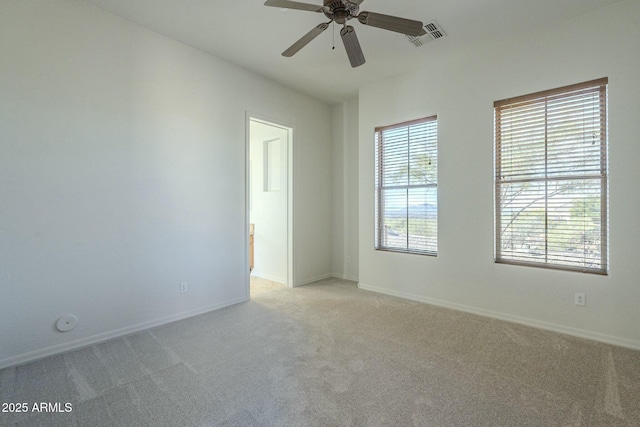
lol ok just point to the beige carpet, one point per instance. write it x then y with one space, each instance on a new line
329 354
259 285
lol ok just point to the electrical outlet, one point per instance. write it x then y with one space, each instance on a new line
580 298
183 287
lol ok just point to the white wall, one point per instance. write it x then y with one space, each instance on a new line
345 190
269 208
122 167
603 43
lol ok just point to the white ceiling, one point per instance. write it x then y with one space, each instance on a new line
251 35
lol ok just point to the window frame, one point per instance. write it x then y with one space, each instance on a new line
600 88
380 187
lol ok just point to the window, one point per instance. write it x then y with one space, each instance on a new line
407 187
551 178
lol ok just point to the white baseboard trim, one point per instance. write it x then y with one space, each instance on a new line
110 335
268 277
344 277
568 330
314 279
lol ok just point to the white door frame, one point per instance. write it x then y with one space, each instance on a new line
252 117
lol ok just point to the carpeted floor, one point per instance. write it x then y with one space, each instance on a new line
259 285
329 354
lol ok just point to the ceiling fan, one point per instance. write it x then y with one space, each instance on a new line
341 11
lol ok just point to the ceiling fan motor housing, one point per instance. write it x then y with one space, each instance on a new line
340 11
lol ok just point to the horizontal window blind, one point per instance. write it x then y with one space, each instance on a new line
407 187
551 178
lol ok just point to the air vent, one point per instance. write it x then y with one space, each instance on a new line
432 31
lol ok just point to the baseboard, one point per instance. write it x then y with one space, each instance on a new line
314 279
107 336
268 277
344 277
568 330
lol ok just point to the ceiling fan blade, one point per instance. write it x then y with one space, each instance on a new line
304 40
287 4
391 23
358 2
352 46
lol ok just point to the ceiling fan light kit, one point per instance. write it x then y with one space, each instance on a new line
341 11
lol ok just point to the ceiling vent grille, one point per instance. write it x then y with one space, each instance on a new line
432 31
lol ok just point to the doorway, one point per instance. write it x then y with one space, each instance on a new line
269 190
